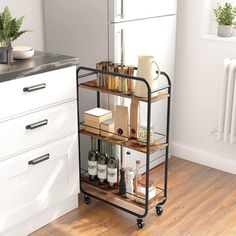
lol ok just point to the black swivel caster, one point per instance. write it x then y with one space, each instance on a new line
87 199
159 210
140 223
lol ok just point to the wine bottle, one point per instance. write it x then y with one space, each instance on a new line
93 159
102 163
122 184
113 167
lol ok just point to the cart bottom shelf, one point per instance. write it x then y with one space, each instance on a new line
91 188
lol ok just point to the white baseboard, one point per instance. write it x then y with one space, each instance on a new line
44 218
203 158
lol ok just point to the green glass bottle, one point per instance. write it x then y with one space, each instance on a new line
93 159
113 167
102 163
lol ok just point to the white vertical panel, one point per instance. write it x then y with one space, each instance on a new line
229 100
223 95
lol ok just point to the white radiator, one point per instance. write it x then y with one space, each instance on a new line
227 115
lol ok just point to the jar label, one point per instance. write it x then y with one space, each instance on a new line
92 167
112 175
102 171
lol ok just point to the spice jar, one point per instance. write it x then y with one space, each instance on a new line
123 87
130 82
105 77
99 75
111 77
142 135
117 69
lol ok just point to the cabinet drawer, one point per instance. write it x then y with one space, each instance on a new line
28 189
38 128
36 91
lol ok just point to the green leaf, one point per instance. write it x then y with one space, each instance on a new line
6 17
18 34
19 23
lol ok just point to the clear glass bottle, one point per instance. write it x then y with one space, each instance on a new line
102 163
113 167
127 166
93 159
138 175
130 184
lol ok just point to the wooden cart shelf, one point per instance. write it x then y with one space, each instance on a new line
92 85
111 195
130 143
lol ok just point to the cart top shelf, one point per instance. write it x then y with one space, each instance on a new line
160 93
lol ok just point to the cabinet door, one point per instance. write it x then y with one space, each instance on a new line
123 10
30 131
28 188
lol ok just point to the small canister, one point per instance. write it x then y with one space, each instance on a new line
123 87
130 82
106 65
99 75
111 77
116 78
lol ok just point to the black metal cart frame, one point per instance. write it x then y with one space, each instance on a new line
90 72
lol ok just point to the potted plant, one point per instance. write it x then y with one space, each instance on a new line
9 31
225 15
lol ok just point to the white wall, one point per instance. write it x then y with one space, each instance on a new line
33 12
199 69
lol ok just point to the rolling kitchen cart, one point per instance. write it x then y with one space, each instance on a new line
92 189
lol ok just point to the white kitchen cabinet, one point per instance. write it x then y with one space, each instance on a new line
28 189
39 169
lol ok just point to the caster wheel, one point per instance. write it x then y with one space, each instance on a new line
159 210
87 199
140 223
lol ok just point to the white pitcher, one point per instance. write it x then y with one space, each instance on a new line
147 68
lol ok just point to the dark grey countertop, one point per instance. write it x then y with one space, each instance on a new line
39 63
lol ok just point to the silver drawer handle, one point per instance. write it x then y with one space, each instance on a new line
39 159
37 124
34 88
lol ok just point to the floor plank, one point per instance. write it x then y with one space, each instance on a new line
201 202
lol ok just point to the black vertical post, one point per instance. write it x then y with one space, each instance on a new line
167 136
148 145
98 105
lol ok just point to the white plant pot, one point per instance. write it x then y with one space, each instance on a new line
225 30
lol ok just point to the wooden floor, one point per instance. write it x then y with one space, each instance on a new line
201 201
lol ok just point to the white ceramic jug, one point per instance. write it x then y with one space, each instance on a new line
147 68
